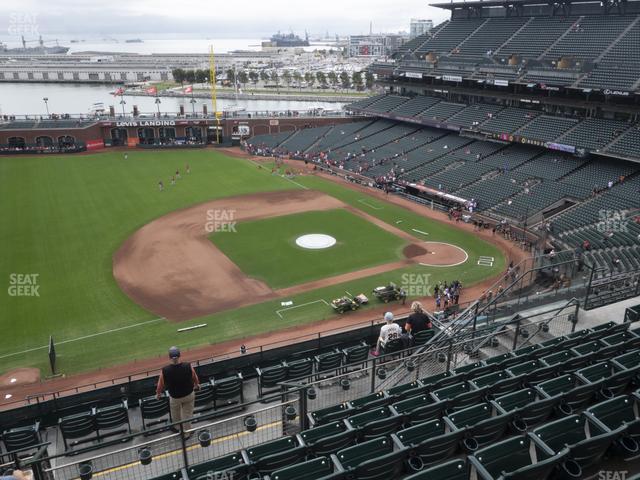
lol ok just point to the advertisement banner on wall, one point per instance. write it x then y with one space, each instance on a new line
95 144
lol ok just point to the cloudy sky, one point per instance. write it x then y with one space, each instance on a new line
213 18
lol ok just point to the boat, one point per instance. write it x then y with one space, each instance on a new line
133 40
288 40
41 49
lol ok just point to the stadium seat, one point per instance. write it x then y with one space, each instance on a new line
421 408
204 398
276 454
372 460
586 441
441 380
499 383
299 368
474 370
453 470
369 402
328 364
78 428
613 380
330 414
422 337
316 469
516 458
433 450
327 439
406 390
573 395
618 412
424 431
154 409
375 423
355 356
628 360
228 391
460 395
22 438
533 372
269 379
483 426
112 418
528 407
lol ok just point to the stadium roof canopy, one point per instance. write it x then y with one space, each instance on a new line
522 3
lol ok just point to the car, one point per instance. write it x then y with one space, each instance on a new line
390 292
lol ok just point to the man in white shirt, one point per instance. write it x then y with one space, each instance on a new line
389 331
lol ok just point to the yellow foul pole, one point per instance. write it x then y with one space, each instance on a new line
214 97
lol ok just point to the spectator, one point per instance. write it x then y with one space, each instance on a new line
389 331
181 380
15 475
418 320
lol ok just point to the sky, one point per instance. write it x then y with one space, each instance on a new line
213 18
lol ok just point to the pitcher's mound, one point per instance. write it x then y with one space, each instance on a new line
20 376
436 254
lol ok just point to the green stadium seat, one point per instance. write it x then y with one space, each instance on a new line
328 364
441 380
393 347
114 419
22 438
372 460
566 361
525 351
355 356
375 423
610 328
620 338
327 439
474 370
276 454
230 466
453 470
228 391
573 395
299 368
587 347
587 442
78 428
423 337
533 372
498 383
503 361
421 408
460 395
316 469
368 402
628 360
483 426
203 398
516 458
424 431
619 412
613 380
154 411
269 379
430 443
528 407
406 390
330 414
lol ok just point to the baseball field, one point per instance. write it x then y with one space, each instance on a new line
98 256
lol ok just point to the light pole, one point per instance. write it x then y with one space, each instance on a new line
46 104
158 102
123 103
193 104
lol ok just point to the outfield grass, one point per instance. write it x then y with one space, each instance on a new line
266 249
63 217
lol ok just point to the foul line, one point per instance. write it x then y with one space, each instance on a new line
84 337
364 202
301 305
419 231
294 182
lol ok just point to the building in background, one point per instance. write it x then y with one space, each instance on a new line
419 27
374 45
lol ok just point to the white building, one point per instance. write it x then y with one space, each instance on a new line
419 27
